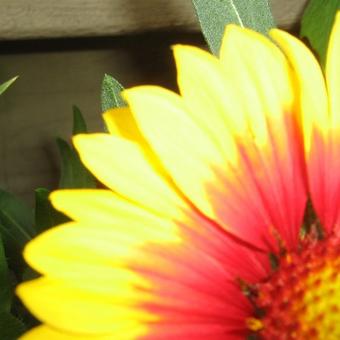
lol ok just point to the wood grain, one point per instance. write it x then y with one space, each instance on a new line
22 19
38 106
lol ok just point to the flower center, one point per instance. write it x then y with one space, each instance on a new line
301 299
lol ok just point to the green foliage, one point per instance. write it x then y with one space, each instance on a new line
316 25
45 215
7 84
5 290
111 93
16 227
73 172
214 15
16 216
10 327
79 124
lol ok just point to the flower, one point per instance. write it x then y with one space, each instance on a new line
221 217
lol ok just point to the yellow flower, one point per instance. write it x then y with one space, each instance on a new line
199 232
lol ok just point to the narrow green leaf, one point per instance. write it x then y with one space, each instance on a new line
13 249
111 97
316 25
7 84
73 172
16 228
45 215
214 15
10 327
16 219
79 124
5 285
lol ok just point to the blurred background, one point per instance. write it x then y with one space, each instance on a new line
61 51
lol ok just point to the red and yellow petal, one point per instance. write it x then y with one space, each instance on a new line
134 270
185 151
333 76
241 174
312 103
81 306
333 87
319 111
270 171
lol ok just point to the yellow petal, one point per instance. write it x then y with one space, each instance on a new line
333 73
183 148
104 208
209 97
89 248
45 332
313 106
124 168
120 122
260 76
70 307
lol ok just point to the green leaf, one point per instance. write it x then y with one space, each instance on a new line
5 284
79 124
316 25
7 84
214 15
111 97
16 219
16 228
45 215
10 327
73 172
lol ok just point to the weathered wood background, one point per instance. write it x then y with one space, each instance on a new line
56 74
50 18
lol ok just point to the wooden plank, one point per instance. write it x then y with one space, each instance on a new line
22 19
38 106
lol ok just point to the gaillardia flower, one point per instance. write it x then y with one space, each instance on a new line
221 215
